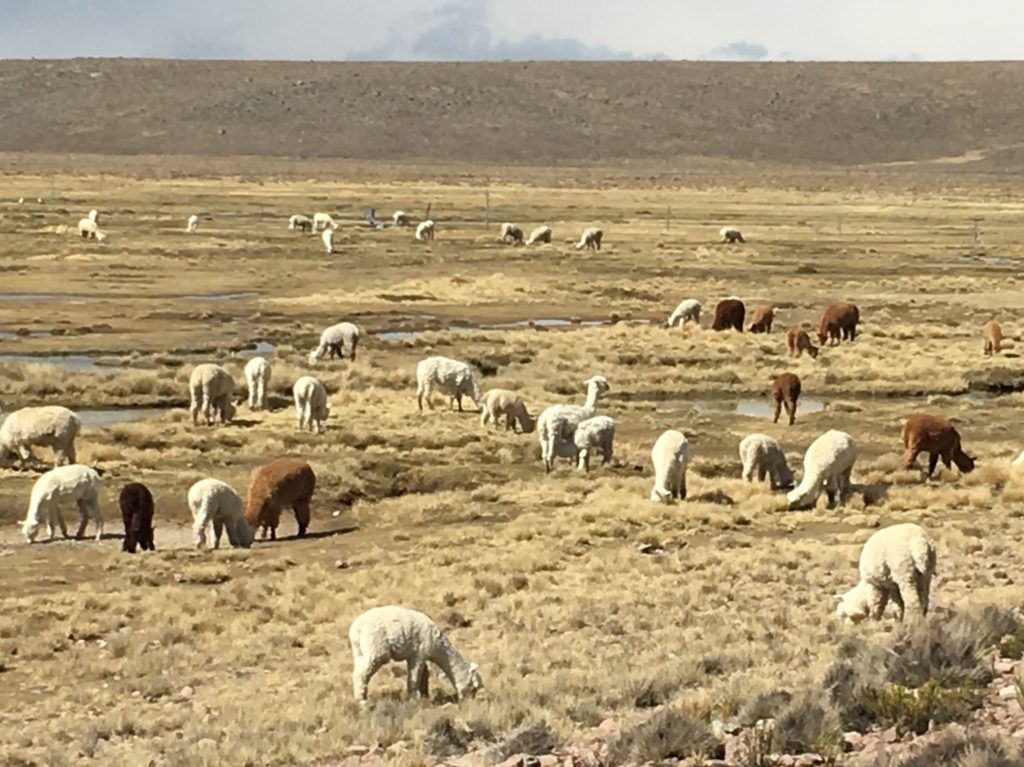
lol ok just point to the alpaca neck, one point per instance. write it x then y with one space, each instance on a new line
451 662
592 396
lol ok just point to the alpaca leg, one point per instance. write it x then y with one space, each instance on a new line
947 458
193 408
778 411
748 472
791 411
416 670
302 515
910 456
909 595
83 512
897 599
218 531
458 400
877 602
845 485
933 459
273 533
92 506
199 529
923 582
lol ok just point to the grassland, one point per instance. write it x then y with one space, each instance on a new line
241 657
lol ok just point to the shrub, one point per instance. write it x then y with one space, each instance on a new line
670 733
963 749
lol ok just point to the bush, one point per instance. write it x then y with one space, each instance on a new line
808 723
667 734
962 749
932 669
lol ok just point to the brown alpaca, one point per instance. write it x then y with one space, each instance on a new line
786 391
993 337
798 342
761 319
838 321
280 483
936 436
729 314
136 504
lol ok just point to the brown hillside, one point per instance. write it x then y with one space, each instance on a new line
962 116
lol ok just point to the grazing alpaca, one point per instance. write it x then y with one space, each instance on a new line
280 483
393 633
761 319
798 342
838 321
993 337
136 504
786 391
729 314
936 436
898 563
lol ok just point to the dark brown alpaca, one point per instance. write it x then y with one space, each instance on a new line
838 322
729 314
798 342
936 436
280 483
136 504
993 337
786 391
761 319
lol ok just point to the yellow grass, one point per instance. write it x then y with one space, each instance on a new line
242 657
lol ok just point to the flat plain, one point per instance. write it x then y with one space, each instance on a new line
579 598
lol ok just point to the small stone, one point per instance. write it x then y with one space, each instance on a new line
1005 665
548 760
888 736
853 739
357 750
1009 692
341 564
187 691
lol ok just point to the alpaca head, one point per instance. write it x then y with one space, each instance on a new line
30 528
659 495
472 684
854 606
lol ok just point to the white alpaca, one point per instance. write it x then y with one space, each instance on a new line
193 224
311 407
687 311
670 455
730 234
89 229
50 426
828 463
401 218
74 483
597 433
391 633
323 221
425 231
328 240
339 341
498 403
454 378
300 223
558 423
257 379
512 232
763 456
540 234
898 563
590 239
211 387
213 502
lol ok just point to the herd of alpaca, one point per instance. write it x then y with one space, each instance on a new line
897 563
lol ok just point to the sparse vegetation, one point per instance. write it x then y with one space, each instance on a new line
581 600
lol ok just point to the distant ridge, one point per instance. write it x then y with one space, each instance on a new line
953 116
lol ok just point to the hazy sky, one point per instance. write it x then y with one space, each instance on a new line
515 29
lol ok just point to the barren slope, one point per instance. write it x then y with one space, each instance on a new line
953 116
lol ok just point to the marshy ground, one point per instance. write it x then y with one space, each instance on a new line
242 657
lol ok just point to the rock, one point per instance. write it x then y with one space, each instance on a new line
1005 666
341 564
548 760
357 750
519 760
888 736
1009 692
187 691
854 740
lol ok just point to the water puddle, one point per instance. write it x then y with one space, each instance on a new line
398 335
220 296
262 349
102 419
75 363
8 334
44 297
767 410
